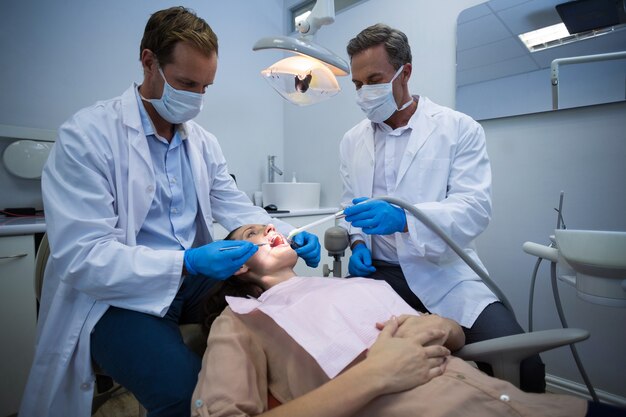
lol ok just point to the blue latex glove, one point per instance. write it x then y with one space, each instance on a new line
209 260
375 217
360 264
307 246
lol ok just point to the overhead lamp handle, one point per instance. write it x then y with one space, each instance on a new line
323 13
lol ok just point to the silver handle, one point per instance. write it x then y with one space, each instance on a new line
21 255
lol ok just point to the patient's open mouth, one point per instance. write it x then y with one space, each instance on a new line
277 241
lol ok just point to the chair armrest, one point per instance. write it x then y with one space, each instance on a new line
505 353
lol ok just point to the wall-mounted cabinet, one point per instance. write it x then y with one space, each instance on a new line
17 317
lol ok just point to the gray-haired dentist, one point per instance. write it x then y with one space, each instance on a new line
435 158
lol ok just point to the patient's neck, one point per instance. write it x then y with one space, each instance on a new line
267 281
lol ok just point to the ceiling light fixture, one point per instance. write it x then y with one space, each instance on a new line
309 77
557 35
544 36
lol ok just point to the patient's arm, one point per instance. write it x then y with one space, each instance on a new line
233 379
454 338
392 364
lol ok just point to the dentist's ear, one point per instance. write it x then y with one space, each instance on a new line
244 268
149 61
406 72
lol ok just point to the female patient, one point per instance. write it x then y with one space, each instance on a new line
251 360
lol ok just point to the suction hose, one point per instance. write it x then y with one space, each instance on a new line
559 309
435 228
531 297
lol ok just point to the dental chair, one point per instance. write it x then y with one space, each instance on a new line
193 337
504 354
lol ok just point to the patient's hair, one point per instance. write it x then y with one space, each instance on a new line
215 301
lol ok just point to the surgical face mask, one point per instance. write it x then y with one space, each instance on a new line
377 101
176 106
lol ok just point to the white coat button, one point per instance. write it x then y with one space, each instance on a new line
174 210
85 386
504 398
199 403
149 189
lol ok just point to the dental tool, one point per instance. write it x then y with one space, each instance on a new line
335 216
236 247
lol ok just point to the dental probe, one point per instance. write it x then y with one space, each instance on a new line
294 232
235 247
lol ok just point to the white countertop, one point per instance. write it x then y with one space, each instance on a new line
12 226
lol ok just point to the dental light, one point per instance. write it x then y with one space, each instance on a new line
308 77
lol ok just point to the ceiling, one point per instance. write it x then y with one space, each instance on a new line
488 46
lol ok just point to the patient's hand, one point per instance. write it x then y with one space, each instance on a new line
453 337
402 363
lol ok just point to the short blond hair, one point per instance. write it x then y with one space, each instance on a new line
167 27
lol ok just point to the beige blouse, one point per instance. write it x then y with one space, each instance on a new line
247 355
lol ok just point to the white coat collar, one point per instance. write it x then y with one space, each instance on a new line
141 178
422 126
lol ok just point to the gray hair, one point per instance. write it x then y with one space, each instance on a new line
396 43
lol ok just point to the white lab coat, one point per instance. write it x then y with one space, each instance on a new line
444 172
98 184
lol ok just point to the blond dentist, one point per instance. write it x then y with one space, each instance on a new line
130 191
436 158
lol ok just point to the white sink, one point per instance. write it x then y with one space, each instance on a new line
26 158
599 261
593 251
291 195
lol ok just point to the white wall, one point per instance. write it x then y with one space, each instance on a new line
58 57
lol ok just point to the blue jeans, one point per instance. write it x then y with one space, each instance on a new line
494 321
146 353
